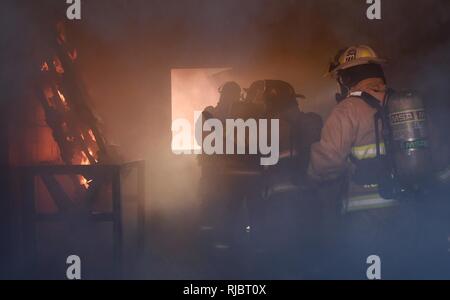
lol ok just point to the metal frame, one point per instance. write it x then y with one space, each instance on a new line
31 217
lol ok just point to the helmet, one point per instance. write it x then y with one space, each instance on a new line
352 57
275 95
254 94
264 90
230 88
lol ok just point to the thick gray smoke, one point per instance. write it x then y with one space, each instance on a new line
127 49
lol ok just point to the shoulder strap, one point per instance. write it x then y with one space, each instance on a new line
369 99
380 115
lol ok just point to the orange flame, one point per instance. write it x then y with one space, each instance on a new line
91 134
58 65
61 96
44 67
84 160
73 55
93 155
84 182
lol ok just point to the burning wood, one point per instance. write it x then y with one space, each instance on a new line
74 126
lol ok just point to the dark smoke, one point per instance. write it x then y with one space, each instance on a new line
128 47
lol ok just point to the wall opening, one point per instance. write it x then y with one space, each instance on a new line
193 89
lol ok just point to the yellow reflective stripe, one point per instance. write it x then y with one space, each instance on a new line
371 201
367 151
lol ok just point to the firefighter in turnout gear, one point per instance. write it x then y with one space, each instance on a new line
350 155
214 187
349 133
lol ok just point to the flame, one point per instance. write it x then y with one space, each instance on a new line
61 33
63 99
84 160
84 182
91 134
92 154
58 65
44 67
82 157
73 55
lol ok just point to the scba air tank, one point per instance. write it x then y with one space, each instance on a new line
410 143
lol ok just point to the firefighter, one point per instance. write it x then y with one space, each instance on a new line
217 206
287 212
349 132
346 165
230 94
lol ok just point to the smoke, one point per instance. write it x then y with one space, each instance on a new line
127 49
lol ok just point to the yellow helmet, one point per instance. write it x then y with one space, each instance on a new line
352 57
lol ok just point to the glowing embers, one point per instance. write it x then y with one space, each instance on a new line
84 182
55 98
91 134
84 161
67 113
85 158
76 139
44 67
73 55
92 154
89 149
58 65
62 41
88 157
63 99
